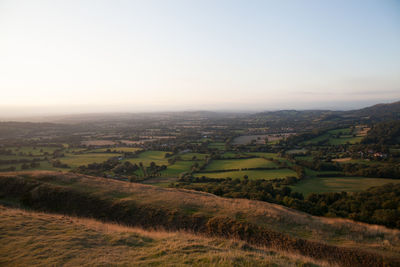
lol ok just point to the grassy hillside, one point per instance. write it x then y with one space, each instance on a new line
53 240
259 223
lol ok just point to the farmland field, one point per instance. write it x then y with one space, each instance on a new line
217 145
98 143
307 158
17 157
177 168
264 155
146 157
118 149
345 139
335 137
247 139
189 156
87 158
252 174
338 184
34 151
259 138
239 164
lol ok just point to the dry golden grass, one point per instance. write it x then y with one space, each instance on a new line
342 232
40 239
341 160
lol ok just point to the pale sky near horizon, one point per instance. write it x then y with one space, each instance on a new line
92 56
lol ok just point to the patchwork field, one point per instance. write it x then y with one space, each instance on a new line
98 143
247 139
76 160
252 174
345 139
232 155
338 184
189 156
17 157
146 157
34 151
259 138
264 155
335 137
307 158
117 149
177 168
239 164
217 145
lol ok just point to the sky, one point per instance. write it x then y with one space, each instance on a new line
128 56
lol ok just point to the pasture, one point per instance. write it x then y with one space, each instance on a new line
32 151
264 155
177 168
116 149
252 174
338 184
217 145
189 156
76 160
146 157
239 164
247 139
98 143
306 158
335 137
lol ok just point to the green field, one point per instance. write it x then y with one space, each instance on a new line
342 131
239 164
360 161
335 137
117 149
232 155
44 165
14 157
75 149
76 160
264 155
217 145
252 174
338 184
146 157
177 168
189 156
345 139
312 173
307 158
35 152
84 159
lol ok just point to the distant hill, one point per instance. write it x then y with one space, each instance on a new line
328 118
378 112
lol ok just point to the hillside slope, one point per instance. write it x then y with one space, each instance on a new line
54 240
335 240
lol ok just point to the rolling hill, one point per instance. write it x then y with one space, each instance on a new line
345 242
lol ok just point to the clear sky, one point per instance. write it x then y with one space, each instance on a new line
89 56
